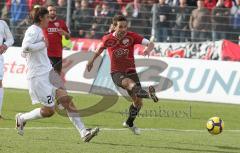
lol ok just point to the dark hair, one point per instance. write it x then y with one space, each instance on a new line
118 18
37 13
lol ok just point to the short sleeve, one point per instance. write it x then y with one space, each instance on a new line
137 38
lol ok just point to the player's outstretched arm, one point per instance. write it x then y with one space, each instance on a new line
98 52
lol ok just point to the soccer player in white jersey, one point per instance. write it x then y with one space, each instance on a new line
34 48
6 40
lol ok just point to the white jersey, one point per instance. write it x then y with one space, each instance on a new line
6 38
35 51
5 34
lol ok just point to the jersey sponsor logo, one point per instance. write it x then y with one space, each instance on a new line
52 29
120 52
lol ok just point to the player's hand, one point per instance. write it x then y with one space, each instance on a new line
146 52
61 31
89 66
3 49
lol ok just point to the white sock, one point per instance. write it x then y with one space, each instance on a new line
1 99
33 115
76 120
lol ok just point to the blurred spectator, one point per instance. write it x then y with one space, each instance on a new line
200 21
20 30
220 21
235 13
82 18
172 3
192 3
5 11
95 32
227 3
97 10
210 4
162 21
113 5
18 12
52 2
31 3
102 20
62 9
123 3
138 18
181 29
2 4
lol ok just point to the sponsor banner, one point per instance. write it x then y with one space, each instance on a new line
230 51
74 64
174 78
15 69
202 50
184 79
198 80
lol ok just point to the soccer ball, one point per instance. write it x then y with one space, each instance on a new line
215 125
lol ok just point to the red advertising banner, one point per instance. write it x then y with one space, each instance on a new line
230 51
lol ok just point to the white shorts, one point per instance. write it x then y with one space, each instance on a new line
1 67
41 90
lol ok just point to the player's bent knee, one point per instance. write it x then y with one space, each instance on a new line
47 112
125 82
128 83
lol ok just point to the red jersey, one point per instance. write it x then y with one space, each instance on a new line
121 52
54 38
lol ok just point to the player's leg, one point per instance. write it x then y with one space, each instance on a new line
1 99
1 87
56 64
131 83
134 109
41 91
66 102
38 113
126 82
138 91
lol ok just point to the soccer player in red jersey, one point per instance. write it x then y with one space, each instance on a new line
54 32
120 44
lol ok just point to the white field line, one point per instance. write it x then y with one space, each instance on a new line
114 129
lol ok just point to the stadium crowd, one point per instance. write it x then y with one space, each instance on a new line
160 20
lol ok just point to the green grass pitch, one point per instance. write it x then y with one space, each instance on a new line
167 127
